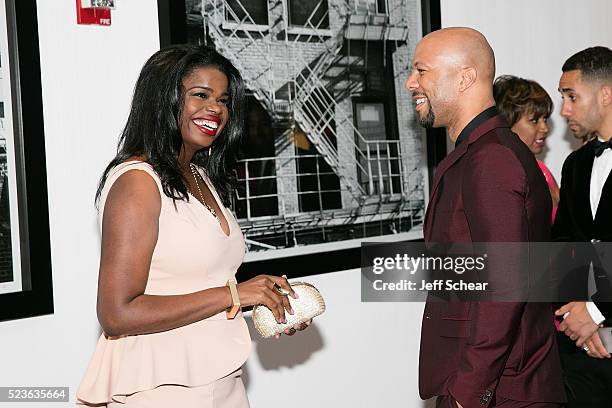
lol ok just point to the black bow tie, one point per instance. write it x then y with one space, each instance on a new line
599 146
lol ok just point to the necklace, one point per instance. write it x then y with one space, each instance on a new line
208 207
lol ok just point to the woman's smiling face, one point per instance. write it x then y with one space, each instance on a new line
205 111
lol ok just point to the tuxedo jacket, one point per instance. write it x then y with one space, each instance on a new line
575 222
489 189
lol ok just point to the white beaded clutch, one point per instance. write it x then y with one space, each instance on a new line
309 304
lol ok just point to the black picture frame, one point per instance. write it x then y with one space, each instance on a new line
173 30
36 296
436 137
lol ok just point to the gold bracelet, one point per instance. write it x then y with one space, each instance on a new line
232 311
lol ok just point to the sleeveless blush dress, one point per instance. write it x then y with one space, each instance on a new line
197 365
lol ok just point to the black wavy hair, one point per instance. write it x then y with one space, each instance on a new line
595 63
153 129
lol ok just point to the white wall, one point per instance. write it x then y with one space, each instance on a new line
88 74
533 39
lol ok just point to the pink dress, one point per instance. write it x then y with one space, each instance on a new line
552 184
192 253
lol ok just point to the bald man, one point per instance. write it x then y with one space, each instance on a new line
488 189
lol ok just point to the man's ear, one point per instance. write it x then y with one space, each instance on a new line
468 78
605 95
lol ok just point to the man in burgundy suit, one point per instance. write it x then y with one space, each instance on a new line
488 189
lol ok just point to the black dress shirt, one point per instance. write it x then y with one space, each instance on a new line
474 123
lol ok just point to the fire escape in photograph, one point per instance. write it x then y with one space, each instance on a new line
332 172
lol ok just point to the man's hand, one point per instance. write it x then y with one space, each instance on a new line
459 405
577 324
595 348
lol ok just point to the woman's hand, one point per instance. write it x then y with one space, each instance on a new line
298 327
261 290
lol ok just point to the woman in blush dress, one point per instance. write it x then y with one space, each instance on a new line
174 335
527 107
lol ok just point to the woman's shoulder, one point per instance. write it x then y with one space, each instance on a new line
131 191
132 176
126 167
134 162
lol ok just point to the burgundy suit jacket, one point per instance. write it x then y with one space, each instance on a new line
489 189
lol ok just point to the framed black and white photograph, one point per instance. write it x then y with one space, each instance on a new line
25 261
332 155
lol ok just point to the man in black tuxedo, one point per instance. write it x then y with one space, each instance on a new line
585 215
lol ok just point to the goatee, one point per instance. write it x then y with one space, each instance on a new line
428 121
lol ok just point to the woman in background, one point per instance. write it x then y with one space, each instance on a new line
527 107
174 335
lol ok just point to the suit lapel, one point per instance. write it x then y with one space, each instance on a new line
583 188
450 160
445 164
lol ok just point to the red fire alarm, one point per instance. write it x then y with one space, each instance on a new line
97 12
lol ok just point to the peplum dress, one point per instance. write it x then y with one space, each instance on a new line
192 253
